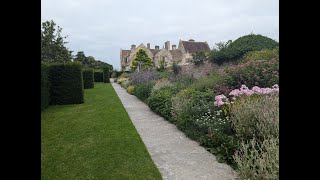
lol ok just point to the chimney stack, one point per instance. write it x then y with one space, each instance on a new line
174 47
148 45
133 46
167 45
156 47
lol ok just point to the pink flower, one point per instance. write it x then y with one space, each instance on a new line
220 97
234 92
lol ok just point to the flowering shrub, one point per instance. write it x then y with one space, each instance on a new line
160 84
144 76
189 105
130 89
263 73
256 116
121 79
125 84
244 90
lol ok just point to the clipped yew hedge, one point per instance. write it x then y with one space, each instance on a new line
88 79
45 95
66 83
106 78
98 76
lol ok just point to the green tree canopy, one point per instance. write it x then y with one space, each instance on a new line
90 61
232 51
52 44
142 59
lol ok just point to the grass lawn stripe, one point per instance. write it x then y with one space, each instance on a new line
94 140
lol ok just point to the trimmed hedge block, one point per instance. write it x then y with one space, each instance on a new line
66 83
88 79
98 76
44 87
106 78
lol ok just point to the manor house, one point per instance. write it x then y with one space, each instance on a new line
181 55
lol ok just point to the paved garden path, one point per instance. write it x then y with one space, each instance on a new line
175 155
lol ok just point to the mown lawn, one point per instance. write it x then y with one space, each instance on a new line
94 140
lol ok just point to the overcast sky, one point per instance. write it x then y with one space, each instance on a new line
101 28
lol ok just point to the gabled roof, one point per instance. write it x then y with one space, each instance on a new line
155 51
176 54
125 53
193 46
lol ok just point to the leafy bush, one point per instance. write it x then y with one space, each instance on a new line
199 58
160 102
125 84
182 81
66 83
210 82
160 84
232 51
254 73
98 76
106 78
122 79
143 91
257 160
187 106
44 87
175 68
265 54
130 89
88 79
223 146
256 116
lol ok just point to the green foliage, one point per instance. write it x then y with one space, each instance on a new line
162 65
88 79
175 68
53 48
199 57
223 146
143 91
263 73
90 61
106 75
44 86
265 54
209 82
232 51
81 57
188 105
98 76
160 102
66 83
141 58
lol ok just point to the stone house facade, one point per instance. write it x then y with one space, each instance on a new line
181 55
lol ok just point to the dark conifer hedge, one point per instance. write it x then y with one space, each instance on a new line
88 79
44 87
66 83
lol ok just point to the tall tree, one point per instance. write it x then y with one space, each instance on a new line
52 44
81 57
141 60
